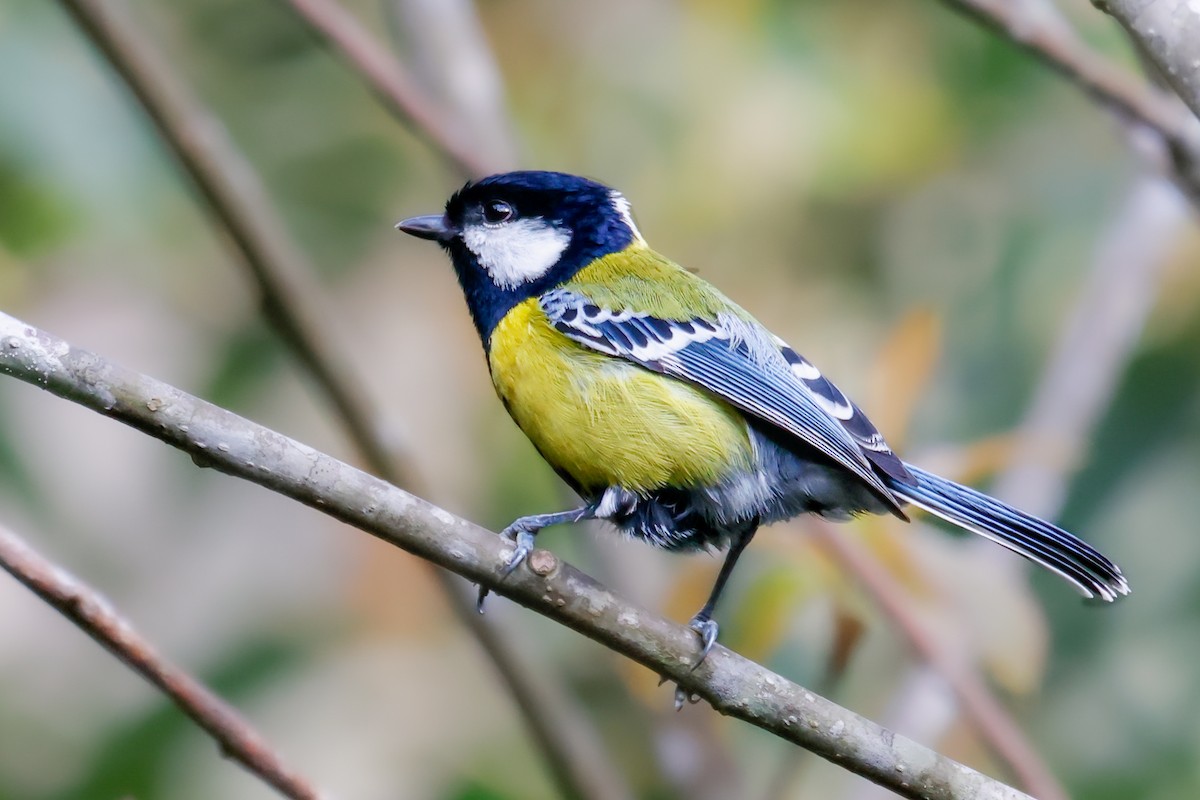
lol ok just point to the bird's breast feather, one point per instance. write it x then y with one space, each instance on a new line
607 421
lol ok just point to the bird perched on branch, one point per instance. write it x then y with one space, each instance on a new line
672 412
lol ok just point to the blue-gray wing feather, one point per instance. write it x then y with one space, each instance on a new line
851 417
727 358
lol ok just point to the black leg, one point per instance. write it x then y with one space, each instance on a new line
703 623
521 533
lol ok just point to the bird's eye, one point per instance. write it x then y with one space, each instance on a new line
497 211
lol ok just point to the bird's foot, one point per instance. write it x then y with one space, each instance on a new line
523 539
708 629
681 695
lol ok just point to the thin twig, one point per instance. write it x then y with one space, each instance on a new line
1081 375
573 752
390 81
995 725
1036 28
734 685
1098 338
93 614
447 48
237 199
372 61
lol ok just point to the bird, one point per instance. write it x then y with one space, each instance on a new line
674 414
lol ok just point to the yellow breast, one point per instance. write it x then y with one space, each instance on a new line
605 421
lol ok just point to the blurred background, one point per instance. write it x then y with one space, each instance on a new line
916 206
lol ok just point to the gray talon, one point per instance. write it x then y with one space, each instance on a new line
707 628
681 697
483 593
524 546
524 542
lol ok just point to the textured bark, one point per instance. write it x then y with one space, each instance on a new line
733 685
1168 32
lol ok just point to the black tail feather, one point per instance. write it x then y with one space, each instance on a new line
1035 539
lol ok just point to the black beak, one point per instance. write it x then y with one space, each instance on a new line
429 226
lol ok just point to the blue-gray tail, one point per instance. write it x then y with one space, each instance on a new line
1037 540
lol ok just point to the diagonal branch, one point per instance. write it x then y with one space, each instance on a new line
85 607
447 48
994 723
734 685
390 81
1092 353
235 196
1076 386
1034 26
375 64
239 203
1168 32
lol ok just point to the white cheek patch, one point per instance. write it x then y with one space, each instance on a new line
517 252
622 207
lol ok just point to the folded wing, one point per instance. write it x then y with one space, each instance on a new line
745 366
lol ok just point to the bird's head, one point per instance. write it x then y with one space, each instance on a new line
513 236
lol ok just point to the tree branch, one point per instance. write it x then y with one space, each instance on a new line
1097 340
733 685
390 81
576 759
1076 386
1168 32
444 42
234 195
1036 28
85 607
994 723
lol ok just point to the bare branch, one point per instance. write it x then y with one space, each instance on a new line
1096 343
992 721
235 195
85 607
1077 385
388 78
1036 28
449 52
237 199
1168 32
733 685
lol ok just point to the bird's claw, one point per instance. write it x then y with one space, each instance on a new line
708 629
682 696
524 546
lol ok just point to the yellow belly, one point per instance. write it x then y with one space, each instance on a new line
604 421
